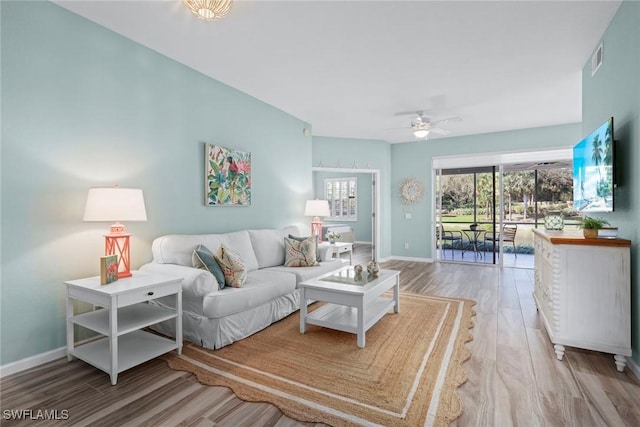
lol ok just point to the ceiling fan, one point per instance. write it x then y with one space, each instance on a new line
422 125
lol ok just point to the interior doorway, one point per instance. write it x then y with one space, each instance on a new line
366 226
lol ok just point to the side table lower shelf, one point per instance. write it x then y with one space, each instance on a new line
133 349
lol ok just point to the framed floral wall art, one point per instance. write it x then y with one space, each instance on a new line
227 176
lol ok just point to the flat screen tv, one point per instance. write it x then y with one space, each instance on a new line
593 178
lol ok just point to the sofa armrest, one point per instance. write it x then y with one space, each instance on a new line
196 283
325 253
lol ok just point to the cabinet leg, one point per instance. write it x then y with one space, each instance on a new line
559 351
621 362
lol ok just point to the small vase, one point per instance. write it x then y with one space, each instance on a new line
590 233
332 241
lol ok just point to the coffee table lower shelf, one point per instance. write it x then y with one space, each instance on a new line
345 318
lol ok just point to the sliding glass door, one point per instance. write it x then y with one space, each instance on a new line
465 210
486 214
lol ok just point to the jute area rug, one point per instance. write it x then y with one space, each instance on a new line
406 375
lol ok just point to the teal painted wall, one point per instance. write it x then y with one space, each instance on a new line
366 154
615 91
413 159
84 107
361 227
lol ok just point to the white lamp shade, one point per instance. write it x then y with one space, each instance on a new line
115 204
317 208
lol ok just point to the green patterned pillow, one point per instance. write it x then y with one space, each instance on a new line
203 258
300 253
235 272
315 239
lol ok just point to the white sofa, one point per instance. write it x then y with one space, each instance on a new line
214 318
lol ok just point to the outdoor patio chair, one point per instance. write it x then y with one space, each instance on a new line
449 236
508 236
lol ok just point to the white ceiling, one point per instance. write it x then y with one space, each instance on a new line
348 67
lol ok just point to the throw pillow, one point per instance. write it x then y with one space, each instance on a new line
235 272
315 239
203 258
300 253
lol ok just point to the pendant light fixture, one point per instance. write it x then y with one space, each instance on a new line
209 10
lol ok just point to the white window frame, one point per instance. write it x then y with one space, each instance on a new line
343 199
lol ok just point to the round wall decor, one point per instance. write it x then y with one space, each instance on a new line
411 191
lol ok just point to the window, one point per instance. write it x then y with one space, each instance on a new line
342 194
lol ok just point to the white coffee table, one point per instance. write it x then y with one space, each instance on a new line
352 306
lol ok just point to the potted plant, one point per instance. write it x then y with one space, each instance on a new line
590 226
333 236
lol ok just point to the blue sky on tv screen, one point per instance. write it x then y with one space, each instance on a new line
593 171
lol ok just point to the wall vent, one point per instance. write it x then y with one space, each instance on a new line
596 60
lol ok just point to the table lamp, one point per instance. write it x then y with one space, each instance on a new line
116 204
316 209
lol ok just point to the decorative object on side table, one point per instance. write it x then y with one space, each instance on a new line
554 220
108 269
116 204
227 176
373 269
333 236
590 226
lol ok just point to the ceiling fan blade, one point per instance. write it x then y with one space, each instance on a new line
411 113
402 128
440 131
446 121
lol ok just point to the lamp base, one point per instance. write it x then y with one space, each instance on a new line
118 244
316 228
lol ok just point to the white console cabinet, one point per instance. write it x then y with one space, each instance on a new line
583 292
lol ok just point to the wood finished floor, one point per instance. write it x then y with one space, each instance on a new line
514 378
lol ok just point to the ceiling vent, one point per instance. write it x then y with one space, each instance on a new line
596 60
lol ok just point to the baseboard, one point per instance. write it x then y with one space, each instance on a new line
633 367
410 258
362 242
32 361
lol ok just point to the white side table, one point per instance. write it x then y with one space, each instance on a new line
123 314
338 248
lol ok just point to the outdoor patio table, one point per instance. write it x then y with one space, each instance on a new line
472 236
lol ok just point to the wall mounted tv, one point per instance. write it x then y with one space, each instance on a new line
593 176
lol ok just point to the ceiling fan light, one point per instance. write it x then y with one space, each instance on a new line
421 133
208 10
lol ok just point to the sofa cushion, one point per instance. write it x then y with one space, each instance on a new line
306 273
268 245
233 267
300 253
178 249
260 287
203 259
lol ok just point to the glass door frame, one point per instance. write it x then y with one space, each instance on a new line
497 186
498 159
